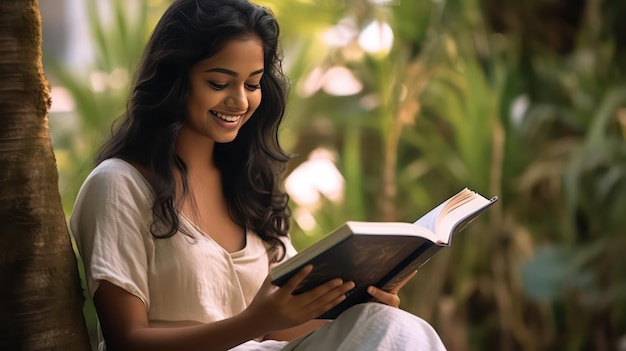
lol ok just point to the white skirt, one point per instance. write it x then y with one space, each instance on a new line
364 327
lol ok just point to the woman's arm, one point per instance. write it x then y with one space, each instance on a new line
124 321
124 324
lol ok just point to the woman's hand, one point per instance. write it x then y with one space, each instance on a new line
389 298
276 308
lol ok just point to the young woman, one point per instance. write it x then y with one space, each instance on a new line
183 215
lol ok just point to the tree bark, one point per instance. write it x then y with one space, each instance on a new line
40 294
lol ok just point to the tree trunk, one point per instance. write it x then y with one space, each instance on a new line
40 293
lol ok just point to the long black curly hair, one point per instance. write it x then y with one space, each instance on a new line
251 165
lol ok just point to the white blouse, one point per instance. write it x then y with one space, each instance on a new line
181 280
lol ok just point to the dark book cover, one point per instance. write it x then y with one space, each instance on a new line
366 260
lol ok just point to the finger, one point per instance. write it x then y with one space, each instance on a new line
402 283
318 310
382 296
324 289
329 299
294 281
325 293
267 285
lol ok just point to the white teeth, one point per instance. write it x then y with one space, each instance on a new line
226 117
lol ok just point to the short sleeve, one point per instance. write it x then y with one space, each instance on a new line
110 223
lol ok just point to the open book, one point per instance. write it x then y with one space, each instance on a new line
380 253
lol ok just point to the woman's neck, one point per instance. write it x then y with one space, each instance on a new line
205 204
195 150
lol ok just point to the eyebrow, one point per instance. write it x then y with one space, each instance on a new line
233 73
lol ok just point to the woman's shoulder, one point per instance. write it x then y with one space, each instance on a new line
114 189
118 175
117 169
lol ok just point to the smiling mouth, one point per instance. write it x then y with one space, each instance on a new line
227 118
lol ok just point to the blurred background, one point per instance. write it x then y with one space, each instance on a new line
395 105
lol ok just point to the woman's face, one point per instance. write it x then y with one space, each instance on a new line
225 90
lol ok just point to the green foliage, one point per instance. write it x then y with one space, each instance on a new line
99 90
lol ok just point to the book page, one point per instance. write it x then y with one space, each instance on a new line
457 200
465 208
429 220
432 219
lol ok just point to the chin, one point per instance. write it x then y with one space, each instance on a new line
225 139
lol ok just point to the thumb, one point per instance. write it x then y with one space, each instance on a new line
267 286
403 282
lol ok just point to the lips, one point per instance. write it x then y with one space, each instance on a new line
225 117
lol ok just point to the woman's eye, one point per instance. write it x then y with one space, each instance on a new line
253 87
217 86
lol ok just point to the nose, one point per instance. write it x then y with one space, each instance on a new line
237 100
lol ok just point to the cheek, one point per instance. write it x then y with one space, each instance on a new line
195 109
194 102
